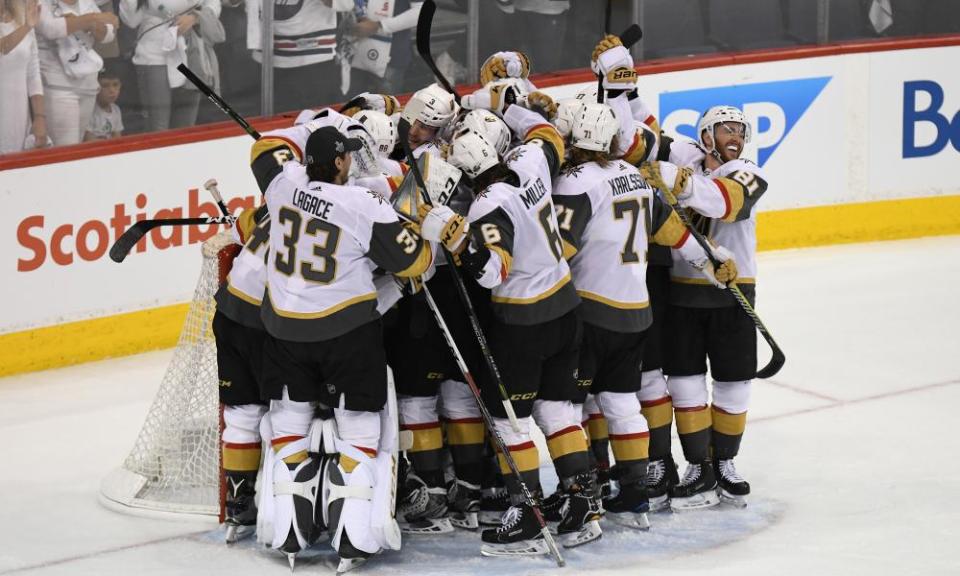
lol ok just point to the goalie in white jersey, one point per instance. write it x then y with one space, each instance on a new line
606 212
325 344
709 178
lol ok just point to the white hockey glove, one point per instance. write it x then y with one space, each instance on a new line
670 179
441 224
722 276
504 65
496 98
368 101
613 62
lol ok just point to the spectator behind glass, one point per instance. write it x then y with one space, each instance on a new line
106 121
66 33
539 29
381 44
161 46
21 90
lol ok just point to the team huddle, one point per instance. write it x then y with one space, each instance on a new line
547 255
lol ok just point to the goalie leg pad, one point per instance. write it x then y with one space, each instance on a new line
297 521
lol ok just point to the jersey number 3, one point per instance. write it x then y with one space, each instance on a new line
286 262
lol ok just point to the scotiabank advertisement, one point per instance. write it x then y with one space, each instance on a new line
826 130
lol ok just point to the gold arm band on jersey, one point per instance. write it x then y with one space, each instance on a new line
420 265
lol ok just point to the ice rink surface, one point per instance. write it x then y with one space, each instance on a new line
852 450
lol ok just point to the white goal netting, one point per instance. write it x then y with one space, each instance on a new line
174 466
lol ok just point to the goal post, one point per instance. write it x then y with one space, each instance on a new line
175 465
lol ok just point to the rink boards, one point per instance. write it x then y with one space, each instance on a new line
859 142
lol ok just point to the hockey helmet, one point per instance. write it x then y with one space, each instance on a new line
490 126
472 153
381 128
567 109
434 106
719 115
594 127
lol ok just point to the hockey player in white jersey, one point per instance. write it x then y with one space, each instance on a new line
606 213
710 178
436 109
324 344
515 250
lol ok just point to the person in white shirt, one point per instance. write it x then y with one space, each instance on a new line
66 33
382 45
21 90
167 99
107 121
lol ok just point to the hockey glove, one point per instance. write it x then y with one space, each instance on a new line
613 62
669 179
441 224
542 104
367 101
721 276
504 65
496 98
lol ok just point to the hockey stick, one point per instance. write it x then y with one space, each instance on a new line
218 101
777 359
628 38
424 25
133 234
211 186
403 128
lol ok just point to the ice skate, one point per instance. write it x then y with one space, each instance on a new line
661 478
241 510
422 510
733 488
494 502
518 535
580 513
464 503
630 506
697 489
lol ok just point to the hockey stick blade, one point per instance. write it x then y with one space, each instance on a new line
631 35
129 239
424 26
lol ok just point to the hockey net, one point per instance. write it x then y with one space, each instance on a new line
175 466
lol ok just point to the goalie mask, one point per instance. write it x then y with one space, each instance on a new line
364 162
718 115
594 127
490 126
441 179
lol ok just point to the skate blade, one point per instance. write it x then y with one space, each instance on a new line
235 533
464 520
348 564
634 520
427 526
536 547
490 518
588 533
707 499
732 499
292 559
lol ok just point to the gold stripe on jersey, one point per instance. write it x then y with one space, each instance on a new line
426 437
242 295
637 151
651 121
729 424
270 143
569 250
246 222
630 446
465 432
533 299
705 282
241 457
420 265
613 303
658 413
323 313
547 133
524 455
691 420
597 428
506 260
733 193
672 232
566 441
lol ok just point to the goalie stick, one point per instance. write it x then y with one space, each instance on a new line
133 234
403 127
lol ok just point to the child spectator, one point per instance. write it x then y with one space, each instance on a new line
106 121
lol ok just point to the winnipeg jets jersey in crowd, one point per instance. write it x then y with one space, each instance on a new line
605 216
326 240
518 223
725 202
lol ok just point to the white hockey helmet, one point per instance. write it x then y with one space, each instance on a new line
567 109
435 106
719 115
490 126
381 128
472 153
588 93
594 127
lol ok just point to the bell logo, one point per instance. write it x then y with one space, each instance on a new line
915 113
773 108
